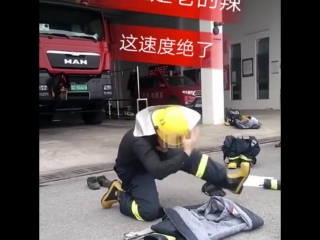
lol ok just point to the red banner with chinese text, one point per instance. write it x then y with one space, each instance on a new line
226 11
167 46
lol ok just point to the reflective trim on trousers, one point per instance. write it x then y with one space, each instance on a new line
202 166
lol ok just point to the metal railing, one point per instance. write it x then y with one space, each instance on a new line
119 108
117 112
126 111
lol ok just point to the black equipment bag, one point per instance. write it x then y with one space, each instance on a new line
231 115
245 148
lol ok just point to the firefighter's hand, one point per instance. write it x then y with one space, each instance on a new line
160 149
190 143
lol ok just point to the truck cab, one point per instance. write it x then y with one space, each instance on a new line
74 61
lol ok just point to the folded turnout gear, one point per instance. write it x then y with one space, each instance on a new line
238 149
216 219
247 122
147 234
137 235
234 118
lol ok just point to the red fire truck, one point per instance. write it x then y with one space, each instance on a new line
74 61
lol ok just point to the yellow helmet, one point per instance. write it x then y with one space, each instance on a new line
171 125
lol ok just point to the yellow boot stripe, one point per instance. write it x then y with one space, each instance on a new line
135 211
202 166
170 237
274 184
167 236
243 157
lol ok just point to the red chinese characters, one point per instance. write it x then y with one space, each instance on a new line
166 46
214 10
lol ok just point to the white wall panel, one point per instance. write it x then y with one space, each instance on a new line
259 19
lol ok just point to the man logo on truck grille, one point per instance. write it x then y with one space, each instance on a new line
75 61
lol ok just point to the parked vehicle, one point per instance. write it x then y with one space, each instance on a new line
165 89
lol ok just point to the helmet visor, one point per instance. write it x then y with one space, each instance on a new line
172 140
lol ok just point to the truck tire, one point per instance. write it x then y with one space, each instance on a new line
173 100
94 118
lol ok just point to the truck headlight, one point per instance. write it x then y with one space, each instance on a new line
43 88
43 94
107 87
189 92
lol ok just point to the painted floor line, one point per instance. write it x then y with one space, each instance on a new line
255 181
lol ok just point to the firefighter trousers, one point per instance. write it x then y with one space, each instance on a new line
141 199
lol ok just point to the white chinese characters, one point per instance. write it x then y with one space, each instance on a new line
128 43
166 46
162 1
232 5
185 48
148 45
162 46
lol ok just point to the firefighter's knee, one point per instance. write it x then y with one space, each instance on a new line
151 214
146 211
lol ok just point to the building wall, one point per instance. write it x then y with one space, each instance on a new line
259 19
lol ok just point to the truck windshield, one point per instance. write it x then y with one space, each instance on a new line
180 81
70 22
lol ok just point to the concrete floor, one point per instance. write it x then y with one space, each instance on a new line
70 211
69 143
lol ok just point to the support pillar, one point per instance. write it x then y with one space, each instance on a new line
212 83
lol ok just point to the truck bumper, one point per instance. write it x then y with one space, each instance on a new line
196 104
82 101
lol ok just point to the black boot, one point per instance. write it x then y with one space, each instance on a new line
211 190
215 173
113 194
104 182
234 182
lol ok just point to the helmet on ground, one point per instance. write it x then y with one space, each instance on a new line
171 125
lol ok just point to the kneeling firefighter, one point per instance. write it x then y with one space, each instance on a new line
162 143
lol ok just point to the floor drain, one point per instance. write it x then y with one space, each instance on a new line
75 172
79 171
48 177
95 168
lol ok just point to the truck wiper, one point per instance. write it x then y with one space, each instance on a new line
50 35
87 37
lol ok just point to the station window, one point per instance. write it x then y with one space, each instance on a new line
263 68
236 80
